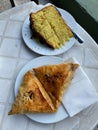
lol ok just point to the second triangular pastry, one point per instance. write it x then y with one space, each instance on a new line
31 97
55 79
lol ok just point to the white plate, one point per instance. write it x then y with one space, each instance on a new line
41 48
42 118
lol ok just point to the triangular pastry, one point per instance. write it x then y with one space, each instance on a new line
55 79
31 97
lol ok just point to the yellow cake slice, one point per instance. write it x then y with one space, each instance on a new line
50 26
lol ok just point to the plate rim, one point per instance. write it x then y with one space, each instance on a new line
28 42
24 70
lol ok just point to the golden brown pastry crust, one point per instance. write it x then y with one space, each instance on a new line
31 97
42 89
55 79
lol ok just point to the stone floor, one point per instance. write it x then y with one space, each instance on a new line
6 4
96 128
18 2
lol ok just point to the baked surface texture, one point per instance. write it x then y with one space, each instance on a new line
50 26
56 79
42 89
31 97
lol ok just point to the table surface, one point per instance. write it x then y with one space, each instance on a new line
14 55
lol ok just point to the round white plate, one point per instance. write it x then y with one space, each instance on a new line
43 49
42 118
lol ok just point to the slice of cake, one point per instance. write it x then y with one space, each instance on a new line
55 79
50 26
